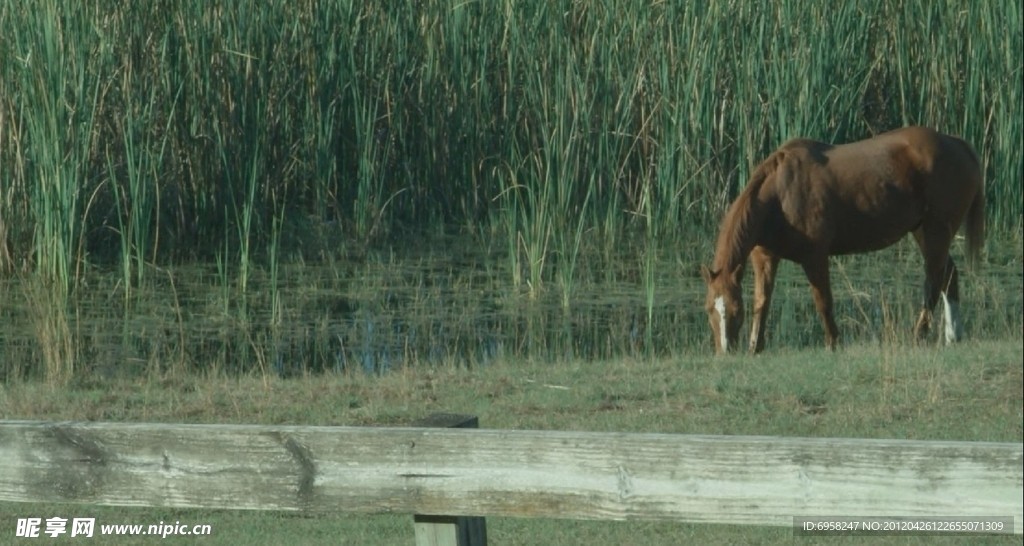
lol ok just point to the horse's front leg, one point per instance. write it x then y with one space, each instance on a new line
764 264
816 270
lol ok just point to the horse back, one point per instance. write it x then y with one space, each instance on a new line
927 151
868 194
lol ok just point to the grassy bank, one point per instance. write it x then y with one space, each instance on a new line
969 392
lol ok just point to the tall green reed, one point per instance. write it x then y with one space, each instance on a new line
137 197
224 128
395 117
59 94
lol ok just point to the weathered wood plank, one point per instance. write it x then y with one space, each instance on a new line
555 474
442 530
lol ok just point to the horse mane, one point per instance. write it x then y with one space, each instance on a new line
742 220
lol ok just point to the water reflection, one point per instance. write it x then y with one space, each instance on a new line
380 313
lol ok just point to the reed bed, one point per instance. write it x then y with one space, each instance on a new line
140 135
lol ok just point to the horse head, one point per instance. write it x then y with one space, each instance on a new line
724 305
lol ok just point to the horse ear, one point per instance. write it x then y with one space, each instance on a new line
707 274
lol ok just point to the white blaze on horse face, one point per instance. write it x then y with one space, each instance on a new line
723 338
952 328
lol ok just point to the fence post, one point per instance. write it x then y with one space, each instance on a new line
434 530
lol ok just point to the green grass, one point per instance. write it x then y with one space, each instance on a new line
969 392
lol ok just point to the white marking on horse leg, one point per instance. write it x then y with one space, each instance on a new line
723 338
952 328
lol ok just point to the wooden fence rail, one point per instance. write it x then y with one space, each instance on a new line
524 473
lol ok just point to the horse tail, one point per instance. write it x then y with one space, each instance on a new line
975 221
976 224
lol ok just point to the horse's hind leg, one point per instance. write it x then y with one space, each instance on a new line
764 264
941 281
953 328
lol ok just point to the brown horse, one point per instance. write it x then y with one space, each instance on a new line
810 200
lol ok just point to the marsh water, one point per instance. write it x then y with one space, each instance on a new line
456 302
